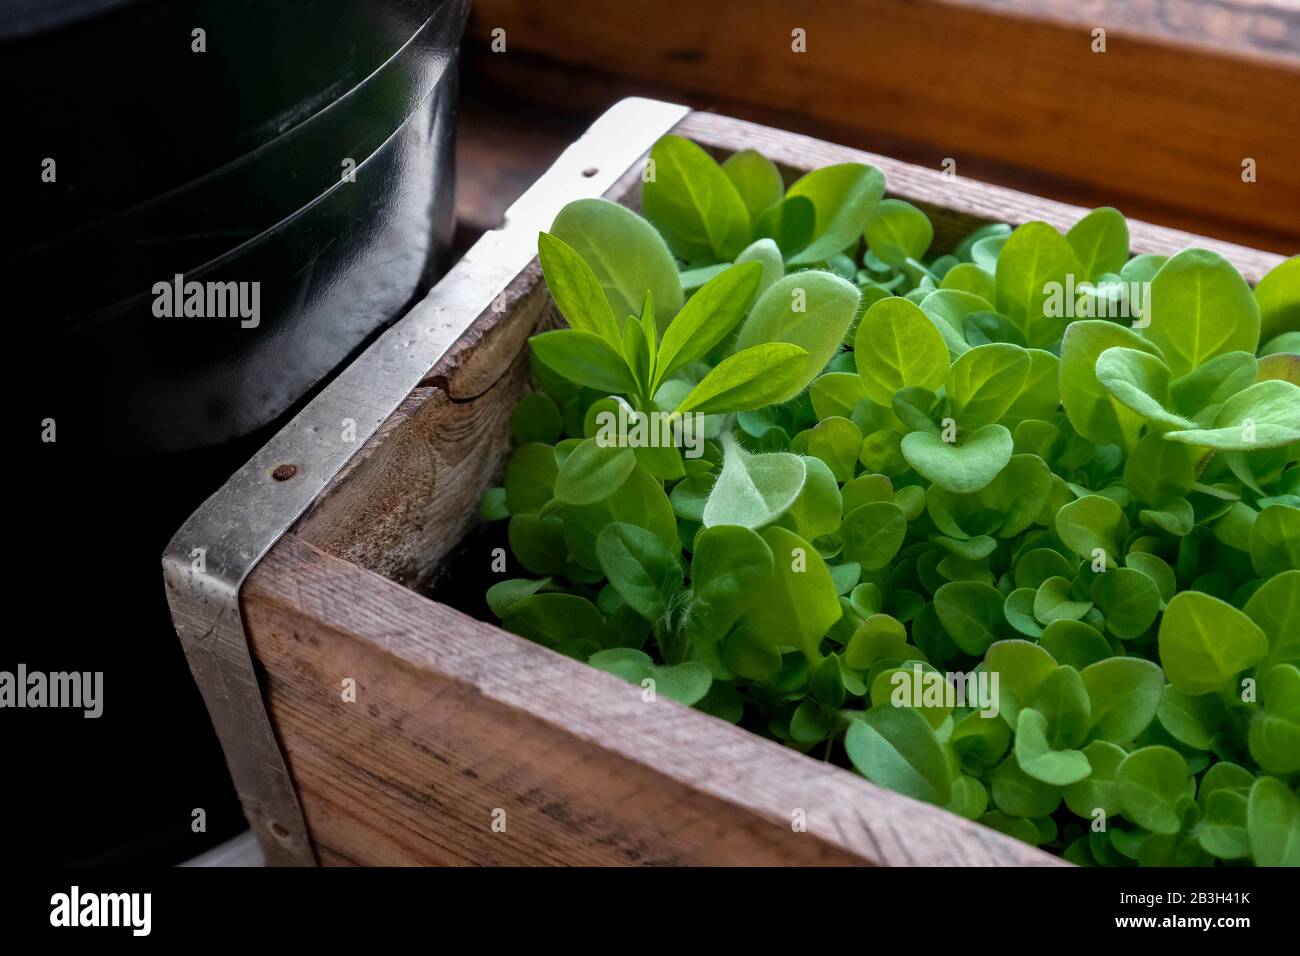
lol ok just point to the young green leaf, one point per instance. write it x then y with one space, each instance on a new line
754 490
1093 524
1262 416
1017 794
968 277
1275 608
592 472
1278 297
687 683
1075 643
553 619
1128 599
756 179
585 358
729 567
1214 382
502 595
1191 719
626 254
897 345
1100 241
1092 410
984 381
809 309
1139 381
1205 642
750 655
789 224
817 509
1124 693
1201 307
897 231
694 203
1035 261
949 309
873 533
1274 736
799 604
836 441
895 747
971 613
754 377
1054 602
576 290
767 254
530 478
1222 831
640 567
537 542
1273 823
962 467
536 419
843 198
706 319
1098 790
1158 470
1150 782
1037 757
640 500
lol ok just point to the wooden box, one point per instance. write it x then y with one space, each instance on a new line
457 725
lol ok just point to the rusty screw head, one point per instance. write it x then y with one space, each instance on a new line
284 472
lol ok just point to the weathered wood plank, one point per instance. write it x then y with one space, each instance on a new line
1158 125
455 719
412 491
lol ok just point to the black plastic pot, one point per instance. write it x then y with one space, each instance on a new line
222 166
231 165
115 90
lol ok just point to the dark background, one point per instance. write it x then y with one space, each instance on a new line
221 165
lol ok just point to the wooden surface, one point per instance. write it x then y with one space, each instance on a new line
455 719
411 493
1158 125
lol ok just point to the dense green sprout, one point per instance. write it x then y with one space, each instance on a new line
802 469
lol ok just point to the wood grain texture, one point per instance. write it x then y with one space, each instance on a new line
1158 125
455 719
412 491
1257 28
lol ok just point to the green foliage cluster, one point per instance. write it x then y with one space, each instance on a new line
911 462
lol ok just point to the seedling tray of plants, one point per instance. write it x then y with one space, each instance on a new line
801 506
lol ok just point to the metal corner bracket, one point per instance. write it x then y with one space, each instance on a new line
207 560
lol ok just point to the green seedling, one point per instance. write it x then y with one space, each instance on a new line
1029 456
